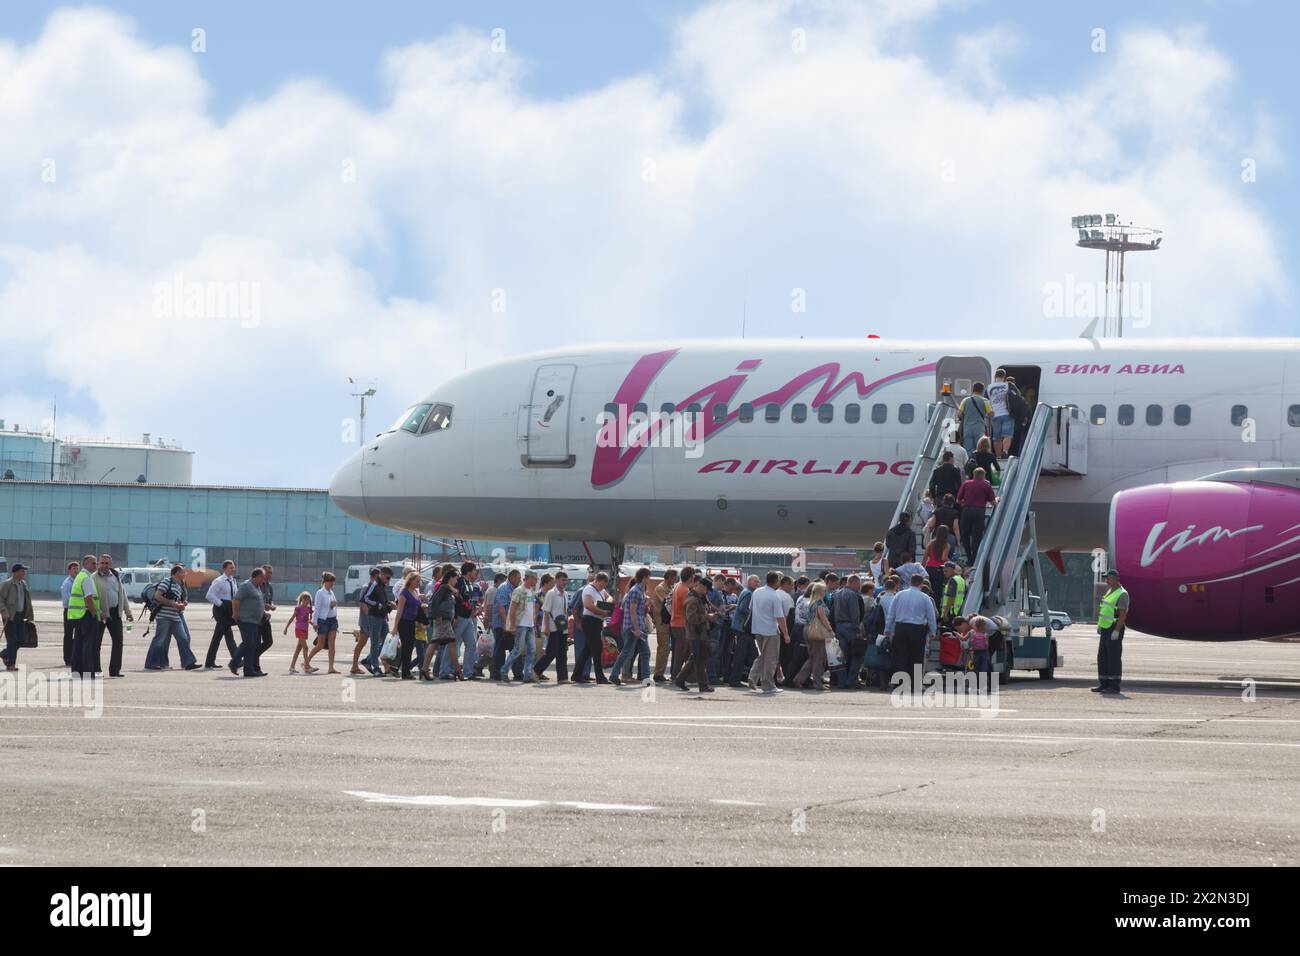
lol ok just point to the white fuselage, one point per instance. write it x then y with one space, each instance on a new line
525 457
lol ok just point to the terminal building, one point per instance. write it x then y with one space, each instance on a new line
61 499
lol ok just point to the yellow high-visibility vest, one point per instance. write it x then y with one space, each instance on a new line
77 599
959 598
1108 612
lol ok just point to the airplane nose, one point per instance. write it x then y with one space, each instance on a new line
346 491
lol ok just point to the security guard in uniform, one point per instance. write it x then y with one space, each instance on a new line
1110 628
83 612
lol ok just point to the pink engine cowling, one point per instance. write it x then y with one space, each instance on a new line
1209 560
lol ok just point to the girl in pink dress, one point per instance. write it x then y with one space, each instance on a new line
301 622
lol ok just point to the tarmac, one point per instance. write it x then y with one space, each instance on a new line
1196 763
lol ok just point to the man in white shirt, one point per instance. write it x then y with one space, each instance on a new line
110 582
767 624
555 609
593 623
1003 426
221 595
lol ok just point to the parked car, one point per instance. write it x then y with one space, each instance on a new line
1059 619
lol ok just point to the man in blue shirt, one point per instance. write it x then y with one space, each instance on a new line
503 643
909 623
743 650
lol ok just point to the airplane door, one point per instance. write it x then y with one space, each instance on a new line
960 372
548 417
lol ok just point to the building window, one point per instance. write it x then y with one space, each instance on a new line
826 413
799 412
1126 415
1155 415
772 412
1239 415
1293 416
746 414
853 413
1098 415
1182 414
906 413
879 413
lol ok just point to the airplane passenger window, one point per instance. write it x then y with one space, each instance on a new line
640 408
799 412
826 413
1182 414
746 414
853 413
772 412
879 413
1155 415
1239 414
694 408
611 409
906 413
1293 416
413 419
1126 414
439 419
719 413
667 408
1098 415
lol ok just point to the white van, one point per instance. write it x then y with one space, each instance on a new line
135 580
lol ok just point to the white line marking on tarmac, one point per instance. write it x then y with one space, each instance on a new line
438 800
737 803
219 712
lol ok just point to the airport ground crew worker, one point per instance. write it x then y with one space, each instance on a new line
1110 628
954 590
83 611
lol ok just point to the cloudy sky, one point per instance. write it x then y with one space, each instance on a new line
210 219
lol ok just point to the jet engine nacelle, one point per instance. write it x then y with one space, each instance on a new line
1214 560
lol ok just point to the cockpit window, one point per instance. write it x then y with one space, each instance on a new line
439 419
412 419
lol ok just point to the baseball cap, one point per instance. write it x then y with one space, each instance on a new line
18 567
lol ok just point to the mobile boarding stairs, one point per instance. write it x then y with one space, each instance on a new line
1007 569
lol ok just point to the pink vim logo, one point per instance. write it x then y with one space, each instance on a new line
611 463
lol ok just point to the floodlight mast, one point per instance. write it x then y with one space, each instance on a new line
1116 239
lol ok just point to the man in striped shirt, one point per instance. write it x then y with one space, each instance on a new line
170 623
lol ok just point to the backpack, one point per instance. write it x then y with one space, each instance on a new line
1016 404
149 596
875 624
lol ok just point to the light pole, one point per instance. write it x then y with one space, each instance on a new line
361 432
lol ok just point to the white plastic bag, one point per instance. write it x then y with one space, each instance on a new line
392 647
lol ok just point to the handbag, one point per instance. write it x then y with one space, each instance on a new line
816 630
29 634
443 632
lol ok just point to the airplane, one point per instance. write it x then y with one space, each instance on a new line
762 441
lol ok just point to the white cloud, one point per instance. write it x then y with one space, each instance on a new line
904 199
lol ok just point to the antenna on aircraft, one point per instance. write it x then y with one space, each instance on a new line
1116 238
